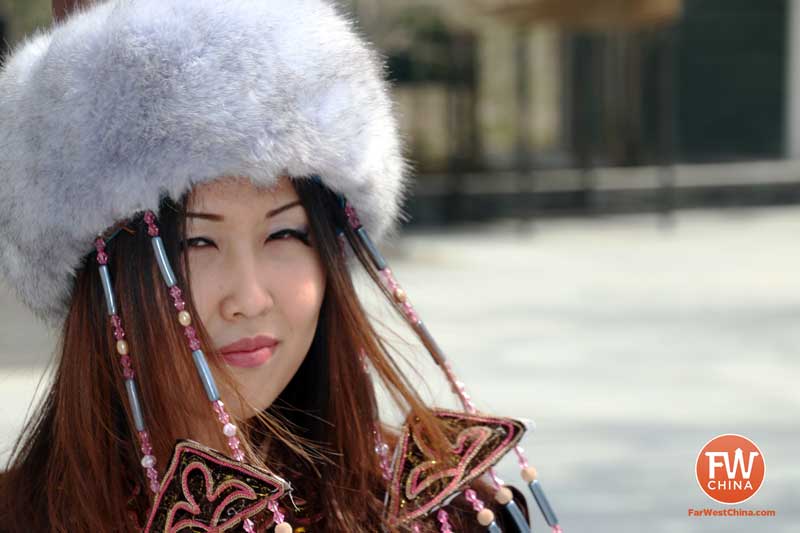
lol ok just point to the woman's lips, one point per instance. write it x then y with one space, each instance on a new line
249 352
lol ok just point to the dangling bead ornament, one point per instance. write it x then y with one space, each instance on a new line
148 460
444 521
185 320
381 448
281 526
530 477
504 497
400 297
485 516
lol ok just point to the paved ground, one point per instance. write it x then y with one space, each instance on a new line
631 343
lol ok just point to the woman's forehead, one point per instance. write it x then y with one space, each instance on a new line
234 192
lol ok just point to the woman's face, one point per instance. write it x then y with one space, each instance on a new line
257 282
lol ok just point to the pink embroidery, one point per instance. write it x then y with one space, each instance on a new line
211 494
480 443
203 460
478 436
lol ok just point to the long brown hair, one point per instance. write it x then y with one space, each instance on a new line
76 467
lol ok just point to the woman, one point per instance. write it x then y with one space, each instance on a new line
179 183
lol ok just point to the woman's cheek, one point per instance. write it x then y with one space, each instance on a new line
205 284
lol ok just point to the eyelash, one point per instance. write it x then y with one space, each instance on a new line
279 235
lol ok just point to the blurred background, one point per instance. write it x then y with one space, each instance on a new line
603 236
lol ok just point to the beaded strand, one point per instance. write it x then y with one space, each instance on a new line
204 371
459 388
185 320
148 460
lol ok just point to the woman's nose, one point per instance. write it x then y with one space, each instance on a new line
247 293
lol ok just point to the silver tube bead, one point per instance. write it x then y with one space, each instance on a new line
108 290
205 375
136 406
517 518
374 254
163 262
544 505
493 528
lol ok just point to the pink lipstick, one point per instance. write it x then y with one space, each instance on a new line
249 352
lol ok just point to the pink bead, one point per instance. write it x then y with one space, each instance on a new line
523 461
128 373
234 442
100 246
472 497
249 526
276 512
148 461
149 219
238 455
352 217
219 408
444 521
229 430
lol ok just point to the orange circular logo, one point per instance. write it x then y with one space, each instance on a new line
730 469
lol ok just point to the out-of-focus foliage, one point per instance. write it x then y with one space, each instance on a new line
24 16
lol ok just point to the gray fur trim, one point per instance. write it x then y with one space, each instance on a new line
134 99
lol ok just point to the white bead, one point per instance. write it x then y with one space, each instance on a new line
283 527
485 517
503 495
529 474
229 430
184 318
148 461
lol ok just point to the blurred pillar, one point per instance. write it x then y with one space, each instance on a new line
792 148
520 93
496 88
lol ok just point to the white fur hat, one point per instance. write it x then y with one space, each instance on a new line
131 100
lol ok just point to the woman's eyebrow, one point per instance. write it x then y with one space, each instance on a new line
282 208
218 218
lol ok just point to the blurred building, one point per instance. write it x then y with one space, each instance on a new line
542 105
549 95
544 81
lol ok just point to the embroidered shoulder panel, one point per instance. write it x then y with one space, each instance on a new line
422 483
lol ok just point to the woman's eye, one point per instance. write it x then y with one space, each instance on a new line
285 234
198 242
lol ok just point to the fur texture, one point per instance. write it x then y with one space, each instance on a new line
131 100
